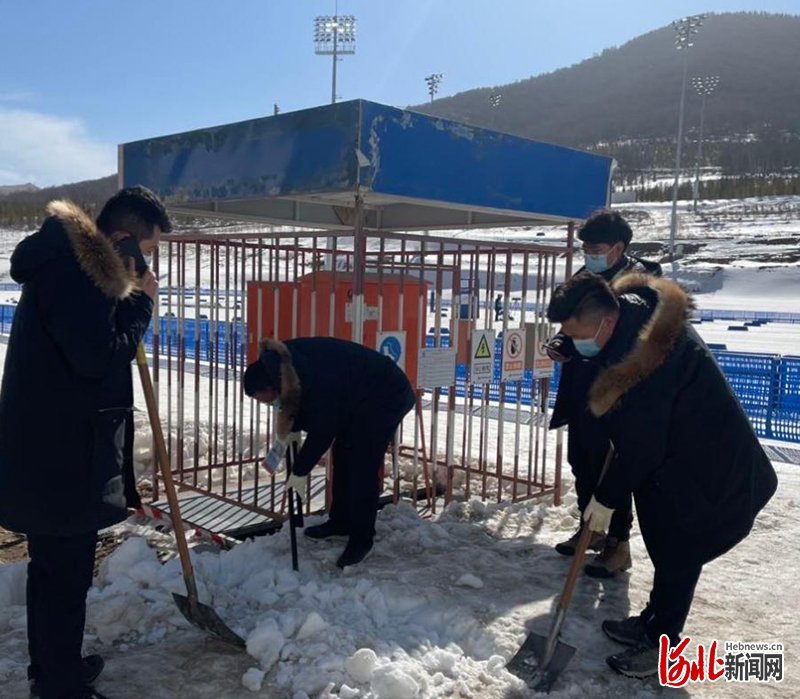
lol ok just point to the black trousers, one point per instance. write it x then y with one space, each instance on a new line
670 600
59 576
587 465
358 455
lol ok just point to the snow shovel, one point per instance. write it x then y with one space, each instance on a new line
295 516
200 615
541 659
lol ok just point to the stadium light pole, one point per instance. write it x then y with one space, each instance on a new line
704 86
685 29
334 36
494 102
433 80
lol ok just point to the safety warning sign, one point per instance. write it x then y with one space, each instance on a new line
481 368
513 355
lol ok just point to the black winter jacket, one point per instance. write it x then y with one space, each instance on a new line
67 396
334 389
685 447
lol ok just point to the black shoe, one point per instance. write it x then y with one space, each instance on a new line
567 548
92 667
640 661
355 552
326 530
630 632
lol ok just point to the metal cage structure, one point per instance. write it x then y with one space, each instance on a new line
345 185
223 292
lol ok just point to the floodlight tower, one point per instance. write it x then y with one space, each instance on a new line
334 36
433 80
685 29
494 102
704 86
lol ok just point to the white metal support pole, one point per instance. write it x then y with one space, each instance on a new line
673 227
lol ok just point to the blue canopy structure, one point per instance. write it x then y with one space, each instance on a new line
411 171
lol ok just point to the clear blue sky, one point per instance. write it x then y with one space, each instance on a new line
78 77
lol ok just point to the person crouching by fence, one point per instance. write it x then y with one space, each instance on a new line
344 395
684 447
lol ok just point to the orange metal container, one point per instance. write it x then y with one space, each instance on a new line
321 303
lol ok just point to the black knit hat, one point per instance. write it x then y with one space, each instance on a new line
605 227
263 373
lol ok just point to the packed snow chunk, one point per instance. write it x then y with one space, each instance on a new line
441 660
114 613
361 665
287 581
346 692
313 624
253 678
496 665
469 580
133 552
390 682
265 643
375 601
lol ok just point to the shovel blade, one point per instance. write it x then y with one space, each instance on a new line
205 618
528 662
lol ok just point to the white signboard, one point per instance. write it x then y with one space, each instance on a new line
392 344
436 367
513 355
481 366
370 313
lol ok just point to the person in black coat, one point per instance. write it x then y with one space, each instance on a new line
684 447
605 236
344 395
65 405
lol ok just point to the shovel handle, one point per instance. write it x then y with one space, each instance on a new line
166 474
295 516
581 546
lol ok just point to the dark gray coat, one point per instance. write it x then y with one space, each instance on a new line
66 396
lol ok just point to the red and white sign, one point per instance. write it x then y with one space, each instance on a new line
543 366
513 355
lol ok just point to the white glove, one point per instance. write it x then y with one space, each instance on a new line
597 516
273 461
298 484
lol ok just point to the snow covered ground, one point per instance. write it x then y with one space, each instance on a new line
434 612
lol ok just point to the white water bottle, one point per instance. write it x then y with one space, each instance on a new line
273 460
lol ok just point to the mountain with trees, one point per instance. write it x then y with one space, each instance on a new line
625 101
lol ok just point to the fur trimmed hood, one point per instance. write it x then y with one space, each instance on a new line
291 390
94 251
653 345
69 232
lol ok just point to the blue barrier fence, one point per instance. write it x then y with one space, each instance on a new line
768 386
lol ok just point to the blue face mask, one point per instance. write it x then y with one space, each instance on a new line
596 263
589 347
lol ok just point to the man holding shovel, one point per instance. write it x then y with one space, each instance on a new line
684 447
65 411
